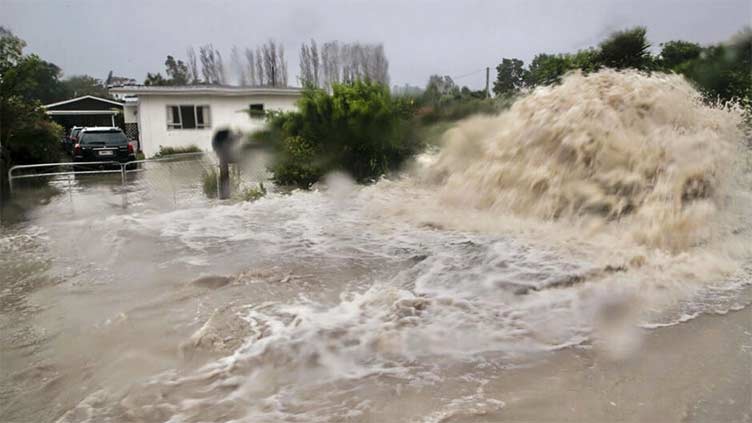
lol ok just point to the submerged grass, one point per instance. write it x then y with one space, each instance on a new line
171 151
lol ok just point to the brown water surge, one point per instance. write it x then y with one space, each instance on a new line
645 151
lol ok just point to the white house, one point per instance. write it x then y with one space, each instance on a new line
179 116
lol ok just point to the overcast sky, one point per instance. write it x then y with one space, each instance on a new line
421 37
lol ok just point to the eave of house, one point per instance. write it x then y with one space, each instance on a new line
221 91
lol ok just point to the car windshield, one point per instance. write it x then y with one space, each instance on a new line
74 133
104 138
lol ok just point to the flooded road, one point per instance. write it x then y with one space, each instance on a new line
415 299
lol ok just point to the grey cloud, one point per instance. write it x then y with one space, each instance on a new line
421 37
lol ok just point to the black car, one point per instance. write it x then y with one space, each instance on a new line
102 145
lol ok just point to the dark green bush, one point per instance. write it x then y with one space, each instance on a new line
359 129
38 141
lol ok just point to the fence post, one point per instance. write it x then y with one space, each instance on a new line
224 179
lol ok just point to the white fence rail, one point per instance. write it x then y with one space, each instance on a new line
122 168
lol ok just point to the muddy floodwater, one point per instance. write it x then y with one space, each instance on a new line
438 295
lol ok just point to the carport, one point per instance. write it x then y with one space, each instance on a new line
86 111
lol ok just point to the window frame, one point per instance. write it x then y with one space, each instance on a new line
257 114
177 124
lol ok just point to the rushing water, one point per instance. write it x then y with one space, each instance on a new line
586 214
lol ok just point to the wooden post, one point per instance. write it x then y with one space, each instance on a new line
224 178
488 93
222 145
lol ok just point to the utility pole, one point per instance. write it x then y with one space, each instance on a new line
488 93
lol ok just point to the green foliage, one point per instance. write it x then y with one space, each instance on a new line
459 108
724 71
209 182
26 134
721 72
177 74
511 76
177 71
170 151
155 79
359 129
253 193
36 142
546 69
81 85
11 50
626 49
42 81
443 100
440 89
297 163
674 53
586 60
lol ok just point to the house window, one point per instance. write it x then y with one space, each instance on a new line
188 116
257 110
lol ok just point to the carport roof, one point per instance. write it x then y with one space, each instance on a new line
85 97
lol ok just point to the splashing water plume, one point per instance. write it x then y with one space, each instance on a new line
611 146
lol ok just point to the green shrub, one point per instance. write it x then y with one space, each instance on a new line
210 179
35 142
359 129
171 151
253 193
296 163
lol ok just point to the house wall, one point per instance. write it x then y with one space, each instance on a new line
225 111
129 113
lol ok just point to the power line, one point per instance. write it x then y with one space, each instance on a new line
468 74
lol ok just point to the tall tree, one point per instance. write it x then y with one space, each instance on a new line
272 56
674 53
315 63
271 63
510 77
345 62
238 68
330 63
546 69
262 78
282 66
440 88
626 49
80 85
192 66
251 66
155 79
177 71
26 133
306 67
212 68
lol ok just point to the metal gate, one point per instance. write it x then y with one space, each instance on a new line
170 164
